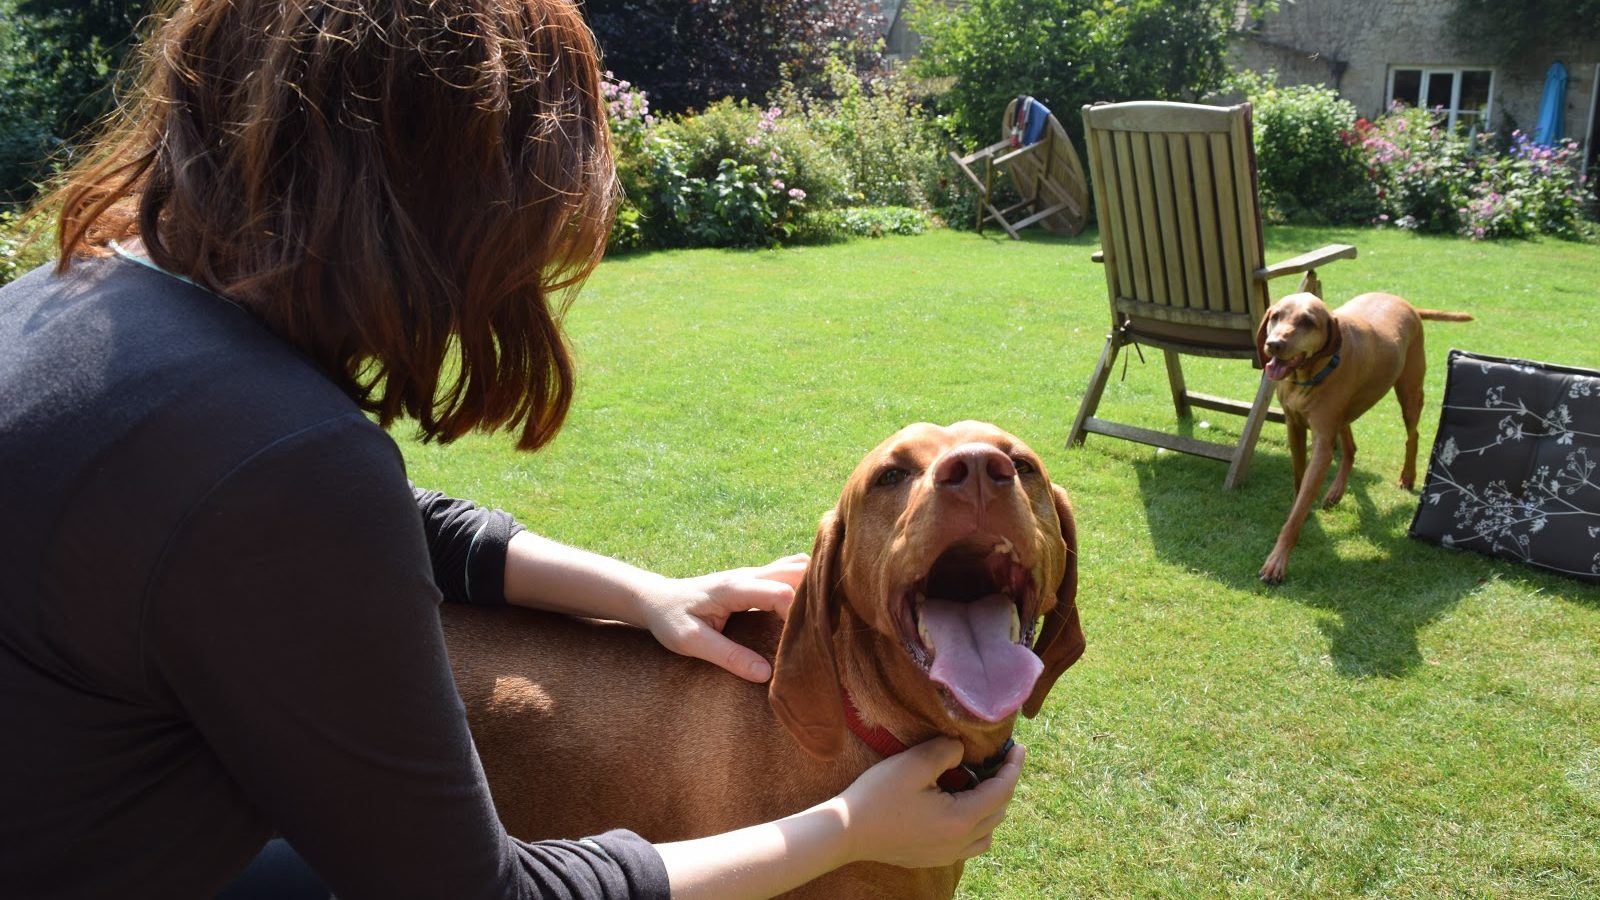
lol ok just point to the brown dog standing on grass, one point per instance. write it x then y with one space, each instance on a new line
1330 368
916 618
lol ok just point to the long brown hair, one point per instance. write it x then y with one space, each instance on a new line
407 191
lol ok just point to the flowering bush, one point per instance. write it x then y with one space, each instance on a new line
628 110
1530 190
734 175
1428 178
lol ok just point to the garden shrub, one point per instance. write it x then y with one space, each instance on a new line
1309 166
892 150
823 226
20 250
732 176
1428 178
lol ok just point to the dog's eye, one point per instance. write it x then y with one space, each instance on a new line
891 477
1304 320
1023 467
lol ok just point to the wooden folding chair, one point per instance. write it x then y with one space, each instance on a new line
1180 237
1047 174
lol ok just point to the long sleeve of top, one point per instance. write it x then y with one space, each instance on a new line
219 620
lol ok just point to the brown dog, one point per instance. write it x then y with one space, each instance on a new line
925 584
1330 369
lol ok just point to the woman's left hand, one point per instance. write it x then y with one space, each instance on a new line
687 614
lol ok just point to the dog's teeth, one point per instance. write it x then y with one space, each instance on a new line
1016 625
1005 546
922 632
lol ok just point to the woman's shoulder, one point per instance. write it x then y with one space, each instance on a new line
114 361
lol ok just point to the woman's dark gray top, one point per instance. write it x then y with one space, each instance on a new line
219 620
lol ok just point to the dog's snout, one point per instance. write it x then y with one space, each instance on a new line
973 464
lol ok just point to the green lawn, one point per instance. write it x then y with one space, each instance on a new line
1397 720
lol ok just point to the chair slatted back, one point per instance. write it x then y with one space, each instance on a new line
1180 227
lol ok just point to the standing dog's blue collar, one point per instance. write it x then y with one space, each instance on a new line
1316 379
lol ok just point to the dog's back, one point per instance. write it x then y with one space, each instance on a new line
584 726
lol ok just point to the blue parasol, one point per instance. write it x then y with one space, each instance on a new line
1553 109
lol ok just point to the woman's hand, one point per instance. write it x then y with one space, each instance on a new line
687 614
895 812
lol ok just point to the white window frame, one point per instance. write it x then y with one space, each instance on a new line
1452 107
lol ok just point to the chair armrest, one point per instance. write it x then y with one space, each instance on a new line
1305 262
1098 256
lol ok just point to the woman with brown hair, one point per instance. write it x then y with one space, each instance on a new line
219 620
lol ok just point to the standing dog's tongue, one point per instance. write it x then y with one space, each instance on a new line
1278 369
975 657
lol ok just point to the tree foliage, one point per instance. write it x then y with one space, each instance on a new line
57 65
1515 31
1067 53
690 53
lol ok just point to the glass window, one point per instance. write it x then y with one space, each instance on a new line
1441 88
1462 97
1407 87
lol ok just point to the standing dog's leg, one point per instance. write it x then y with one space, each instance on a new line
1347 461
1408 390
1277 563
1297 449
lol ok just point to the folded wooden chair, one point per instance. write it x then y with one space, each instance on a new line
1035 150
1180 237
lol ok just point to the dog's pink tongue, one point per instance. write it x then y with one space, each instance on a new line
975 658
1277 369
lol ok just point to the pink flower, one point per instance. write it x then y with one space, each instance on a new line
796 194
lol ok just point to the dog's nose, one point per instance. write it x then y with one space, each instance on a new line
1276 345
974 467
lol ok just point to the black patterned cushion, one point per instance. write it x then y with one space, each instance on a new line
1515 470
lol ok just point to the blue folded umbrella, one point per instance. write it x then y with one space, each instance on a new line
1553 109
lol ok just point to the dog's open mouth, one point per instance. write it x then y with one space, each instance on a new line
1279 369
969 624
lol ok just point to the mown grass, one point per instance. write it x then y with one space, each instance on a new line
1397 720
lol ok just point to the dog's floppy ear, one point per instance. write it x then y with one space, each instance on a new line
805 678
1335 339
1060 640
1261 340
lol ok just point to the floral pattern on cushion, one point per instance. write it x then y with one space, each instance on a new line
1515 469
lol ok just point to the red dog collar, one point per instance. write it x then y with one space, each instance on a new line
961 778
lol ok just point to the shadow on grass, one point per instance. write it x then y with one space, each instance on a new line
1089 238
1379 602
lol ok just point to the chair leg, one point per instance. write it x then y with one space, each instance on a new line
1097 386
1247 439
988 191
1180 394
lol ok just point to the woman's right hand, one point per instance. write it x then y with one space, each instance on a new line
895 812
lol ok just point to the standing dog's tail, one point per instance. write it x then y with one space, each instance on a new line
1439 315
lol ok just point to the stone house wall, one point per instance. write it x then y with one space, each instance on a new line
1352 45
